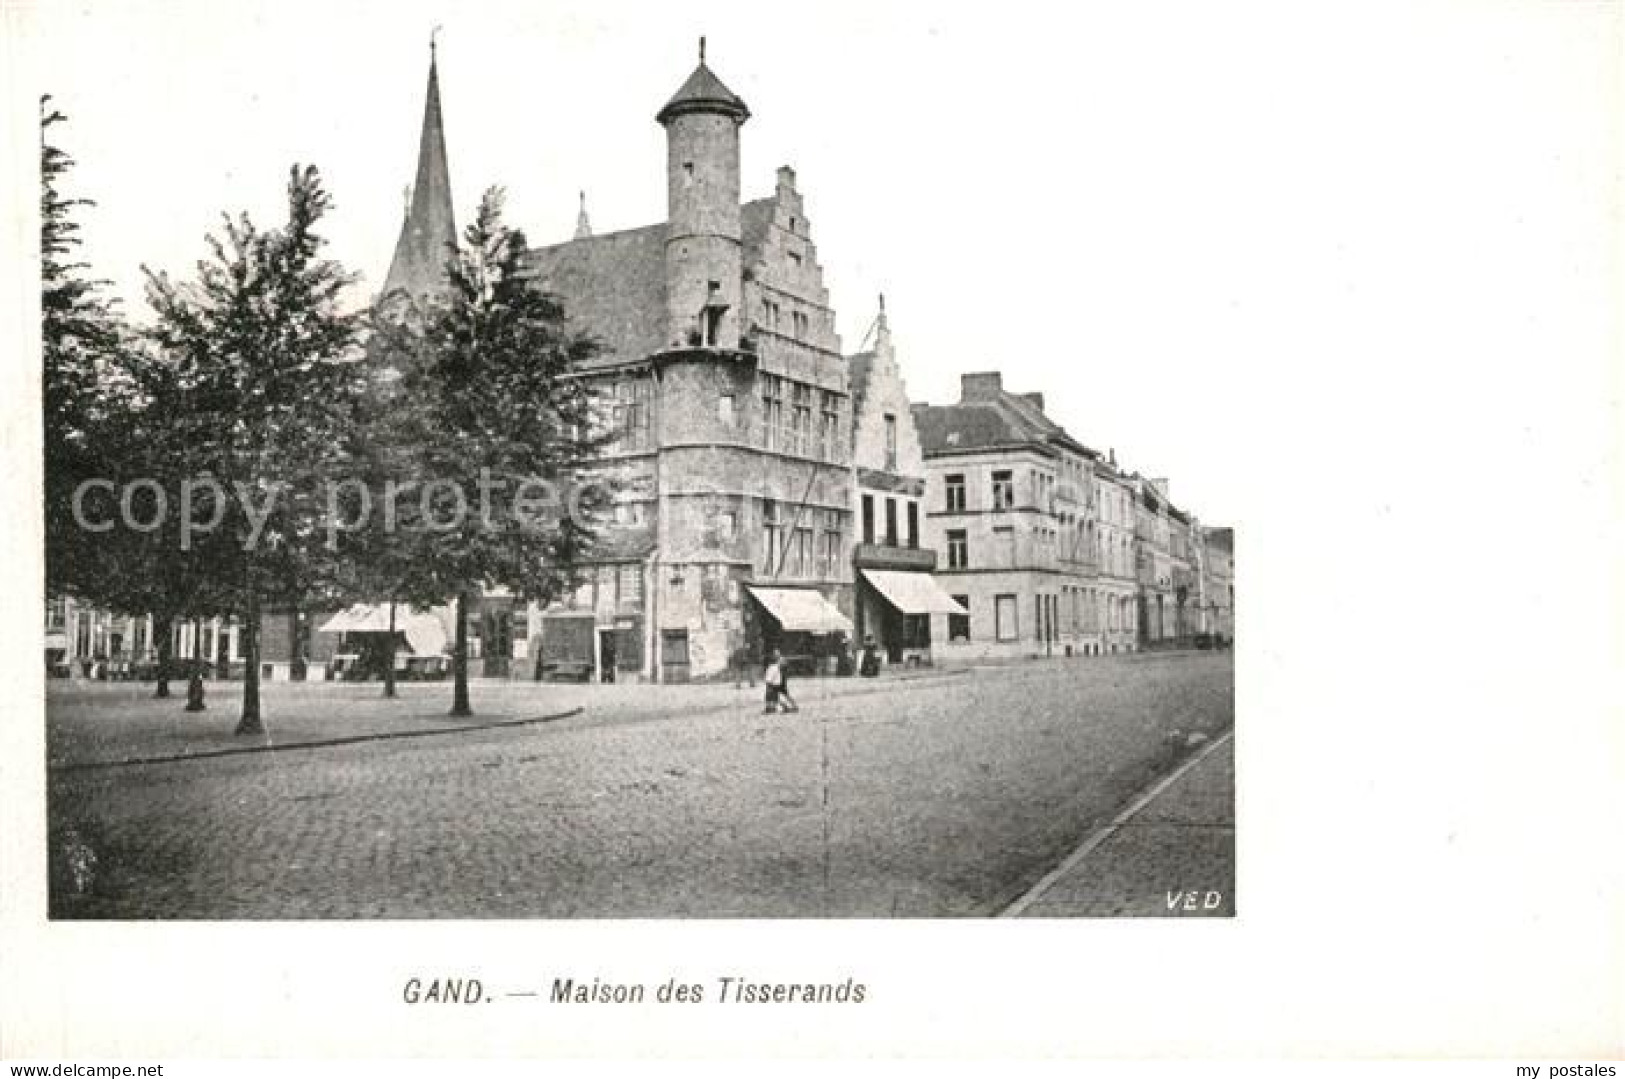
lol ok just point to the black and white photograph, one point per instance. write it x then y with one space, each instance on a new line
540 504
607 570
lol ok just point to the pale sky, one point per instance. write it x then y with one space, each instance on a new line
1159 216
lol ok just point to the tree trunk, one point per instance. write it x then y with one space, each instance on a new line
389 655
163 630
194 680
251 723
459 661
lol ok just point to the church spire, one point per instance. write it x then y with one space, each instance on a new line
419 265
583 225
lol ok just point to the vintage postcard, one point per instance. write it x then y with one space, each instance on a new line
543 506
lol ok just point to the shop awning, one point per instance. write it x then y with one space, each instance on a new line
802 609
912 593
425 633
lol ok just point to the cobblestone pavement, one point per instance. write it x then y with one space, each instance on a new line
1176 856
99 722
942 796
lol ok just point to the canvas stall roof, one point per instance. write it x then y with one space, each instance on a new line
912 593
425 632
802 609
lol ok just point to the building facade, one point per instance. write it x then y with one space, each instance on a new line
894 594
1009 496
1116 586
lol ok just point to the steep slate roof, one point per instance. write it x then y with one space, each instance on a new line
957 428
421 251
1004 419
613 285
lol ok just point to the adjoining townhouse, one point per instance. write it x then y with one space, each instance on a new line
1153 566
895 595
1168 562
1009 497
1219 581
1116 587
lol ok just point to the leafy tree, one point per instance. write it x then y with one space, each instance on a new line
496 433
82 390
267 367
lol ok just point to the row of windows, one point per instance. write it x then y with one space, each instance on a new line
1086 609
799 435
811 546
891 536
800 326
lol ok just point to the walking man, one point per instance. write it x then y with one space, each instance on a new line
778 686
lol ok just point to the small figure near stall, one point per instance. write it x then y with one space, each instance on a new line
777 682
869 663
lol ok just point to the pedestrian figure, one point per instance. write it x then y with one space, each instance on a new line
778 686
869 664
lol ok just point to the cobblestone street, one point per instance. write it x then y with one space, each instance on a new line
945 795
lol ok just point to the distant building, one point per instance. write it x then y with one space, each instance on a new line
1219 599
1008 492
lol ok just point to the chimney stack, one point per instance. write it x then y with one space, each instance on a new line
980 386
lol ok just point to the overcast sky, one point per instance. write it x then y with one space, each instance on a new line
1163 217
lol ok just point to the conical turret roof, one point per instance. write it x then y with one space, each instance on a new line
704 92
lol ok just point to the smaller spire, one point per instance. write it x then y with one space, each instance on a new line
882 329
702 48
583 225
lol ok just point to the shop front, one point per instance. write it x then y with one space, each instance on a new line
805 627
900 604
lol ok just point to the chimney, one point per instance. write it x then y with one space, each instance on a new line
1034 399
787 178
980 386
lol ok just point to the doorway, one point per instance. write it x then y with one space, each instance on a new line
606 655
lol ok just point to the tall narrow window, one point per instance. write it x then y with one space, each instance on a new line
955 485
802 551
958 553
913 525
1004 490
891 522
959 624
801 418
891 443
771 537
830 432
868 518
725 410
